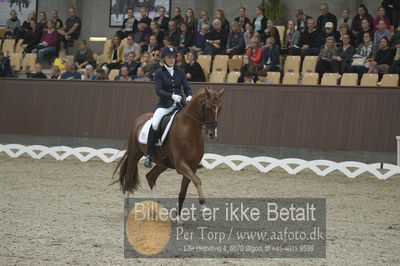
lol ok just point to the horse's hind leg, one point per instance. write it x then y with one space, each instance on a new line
152 178
182 195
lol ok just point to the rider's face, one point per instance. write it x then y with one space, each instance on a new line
170 60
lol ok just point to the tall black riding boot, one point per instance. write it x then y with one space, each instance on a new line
151 143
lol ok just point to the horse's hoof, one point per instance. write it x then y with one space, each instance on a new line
205 209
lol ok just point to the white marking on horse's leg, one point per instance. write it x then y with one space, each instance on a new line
155 192
204 208
179 221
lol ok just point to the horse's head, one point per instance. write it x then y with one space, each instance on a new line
211 108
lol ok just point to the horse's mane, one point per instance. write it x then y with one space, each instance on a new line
200 94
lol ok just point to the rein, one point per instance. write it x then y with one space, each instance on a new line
203 122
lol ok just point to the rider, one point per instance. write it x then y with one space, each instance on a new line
168 81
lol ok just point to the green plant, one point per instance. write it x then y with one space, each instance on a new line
273 9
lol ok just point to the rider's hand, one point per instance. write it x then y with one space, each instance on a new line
177 98
188 98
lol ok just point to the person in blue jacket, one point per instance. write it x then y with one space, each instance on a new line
169 81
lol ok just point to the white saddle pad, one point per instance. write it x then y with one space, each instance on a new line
145 131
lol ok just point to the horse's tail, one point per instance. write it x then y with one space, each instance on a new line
128 170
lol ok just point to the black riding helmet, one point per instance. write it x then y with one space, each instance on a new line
168 50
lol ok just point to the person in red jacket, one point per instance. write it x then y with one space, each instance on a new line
381 16
255 52
48 42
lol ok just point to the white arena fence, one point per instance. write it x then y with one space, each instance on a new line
235 162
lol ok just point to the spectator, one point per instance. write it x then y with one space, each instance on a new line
145 61
142 35
302 20
132 64
341 62
100 74
186 38
190 20
55 73
123 74
272 31
356 24
144 17
129 25
70 72
5 68
270 57
308 44
38 74
366 27
156 31
324 18
396 38
292 37
365 53
26 26
180 60
115 53
329 32
177 16
345 29
255 52
48 42
61 60
381 16
174 33
262 77
193 70
260 22
235 44
242 20
56 20
89 73
153 65
84 56
162 20
153 45
248 78
141 75
130 47
249 34
325 58
220 15
345 20
383 59
395 67
392 8
200 39
203 19
381 32
13 25
247 67
167 41
31 37
216 39
42 23
72 28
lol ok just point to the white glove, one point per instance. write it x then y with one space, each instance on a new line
188 99
177 98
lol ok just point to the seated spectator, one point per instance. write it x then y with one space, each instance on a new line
345 20
72 28
365 27
177 17
381 16
174 33
292 37
70 72
307 43
186 38
203 19
5 67
383 59
364 54
341 62
235 44
324 18
48 42
247 66
89 73
249 34
180 60
329 32
115 53
145 61
144 17
248 78
154 64
100 74
162 20
55 73
255 52
325 58
220 15
153 45
56 20
61 60
381 32
123 74
132 64
190 20
129 25
345 30
13 26
193 70
31 38
38 74
142 35
42 23
272 31
141 76
130 47
392 11
260 22
200 39
396 38
26 26
356 24
395 67
270 57
216 39
242 20
302 19
84 56
156 31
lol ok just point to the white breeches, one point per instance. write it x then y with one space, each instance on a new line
158 115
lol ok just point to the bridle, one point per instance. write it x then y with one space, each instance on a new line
203 122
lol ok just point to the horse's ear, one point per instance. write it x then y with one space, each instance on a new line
208 91
221 91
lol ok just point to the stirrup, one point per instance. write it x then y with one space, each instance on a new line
148 161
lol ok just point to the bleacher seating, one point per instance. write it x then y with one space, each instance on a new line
349 79
274 77
309 64
29 61
217 77
8 46
220 63
292 64
233 77
291 78
390 80
310 79
113 73
330 79
369 80
15 61
234 64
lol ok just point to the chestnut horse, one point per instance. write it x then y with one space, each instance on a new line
184 146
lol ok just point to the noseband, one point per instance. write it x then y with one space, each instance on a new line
203 122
